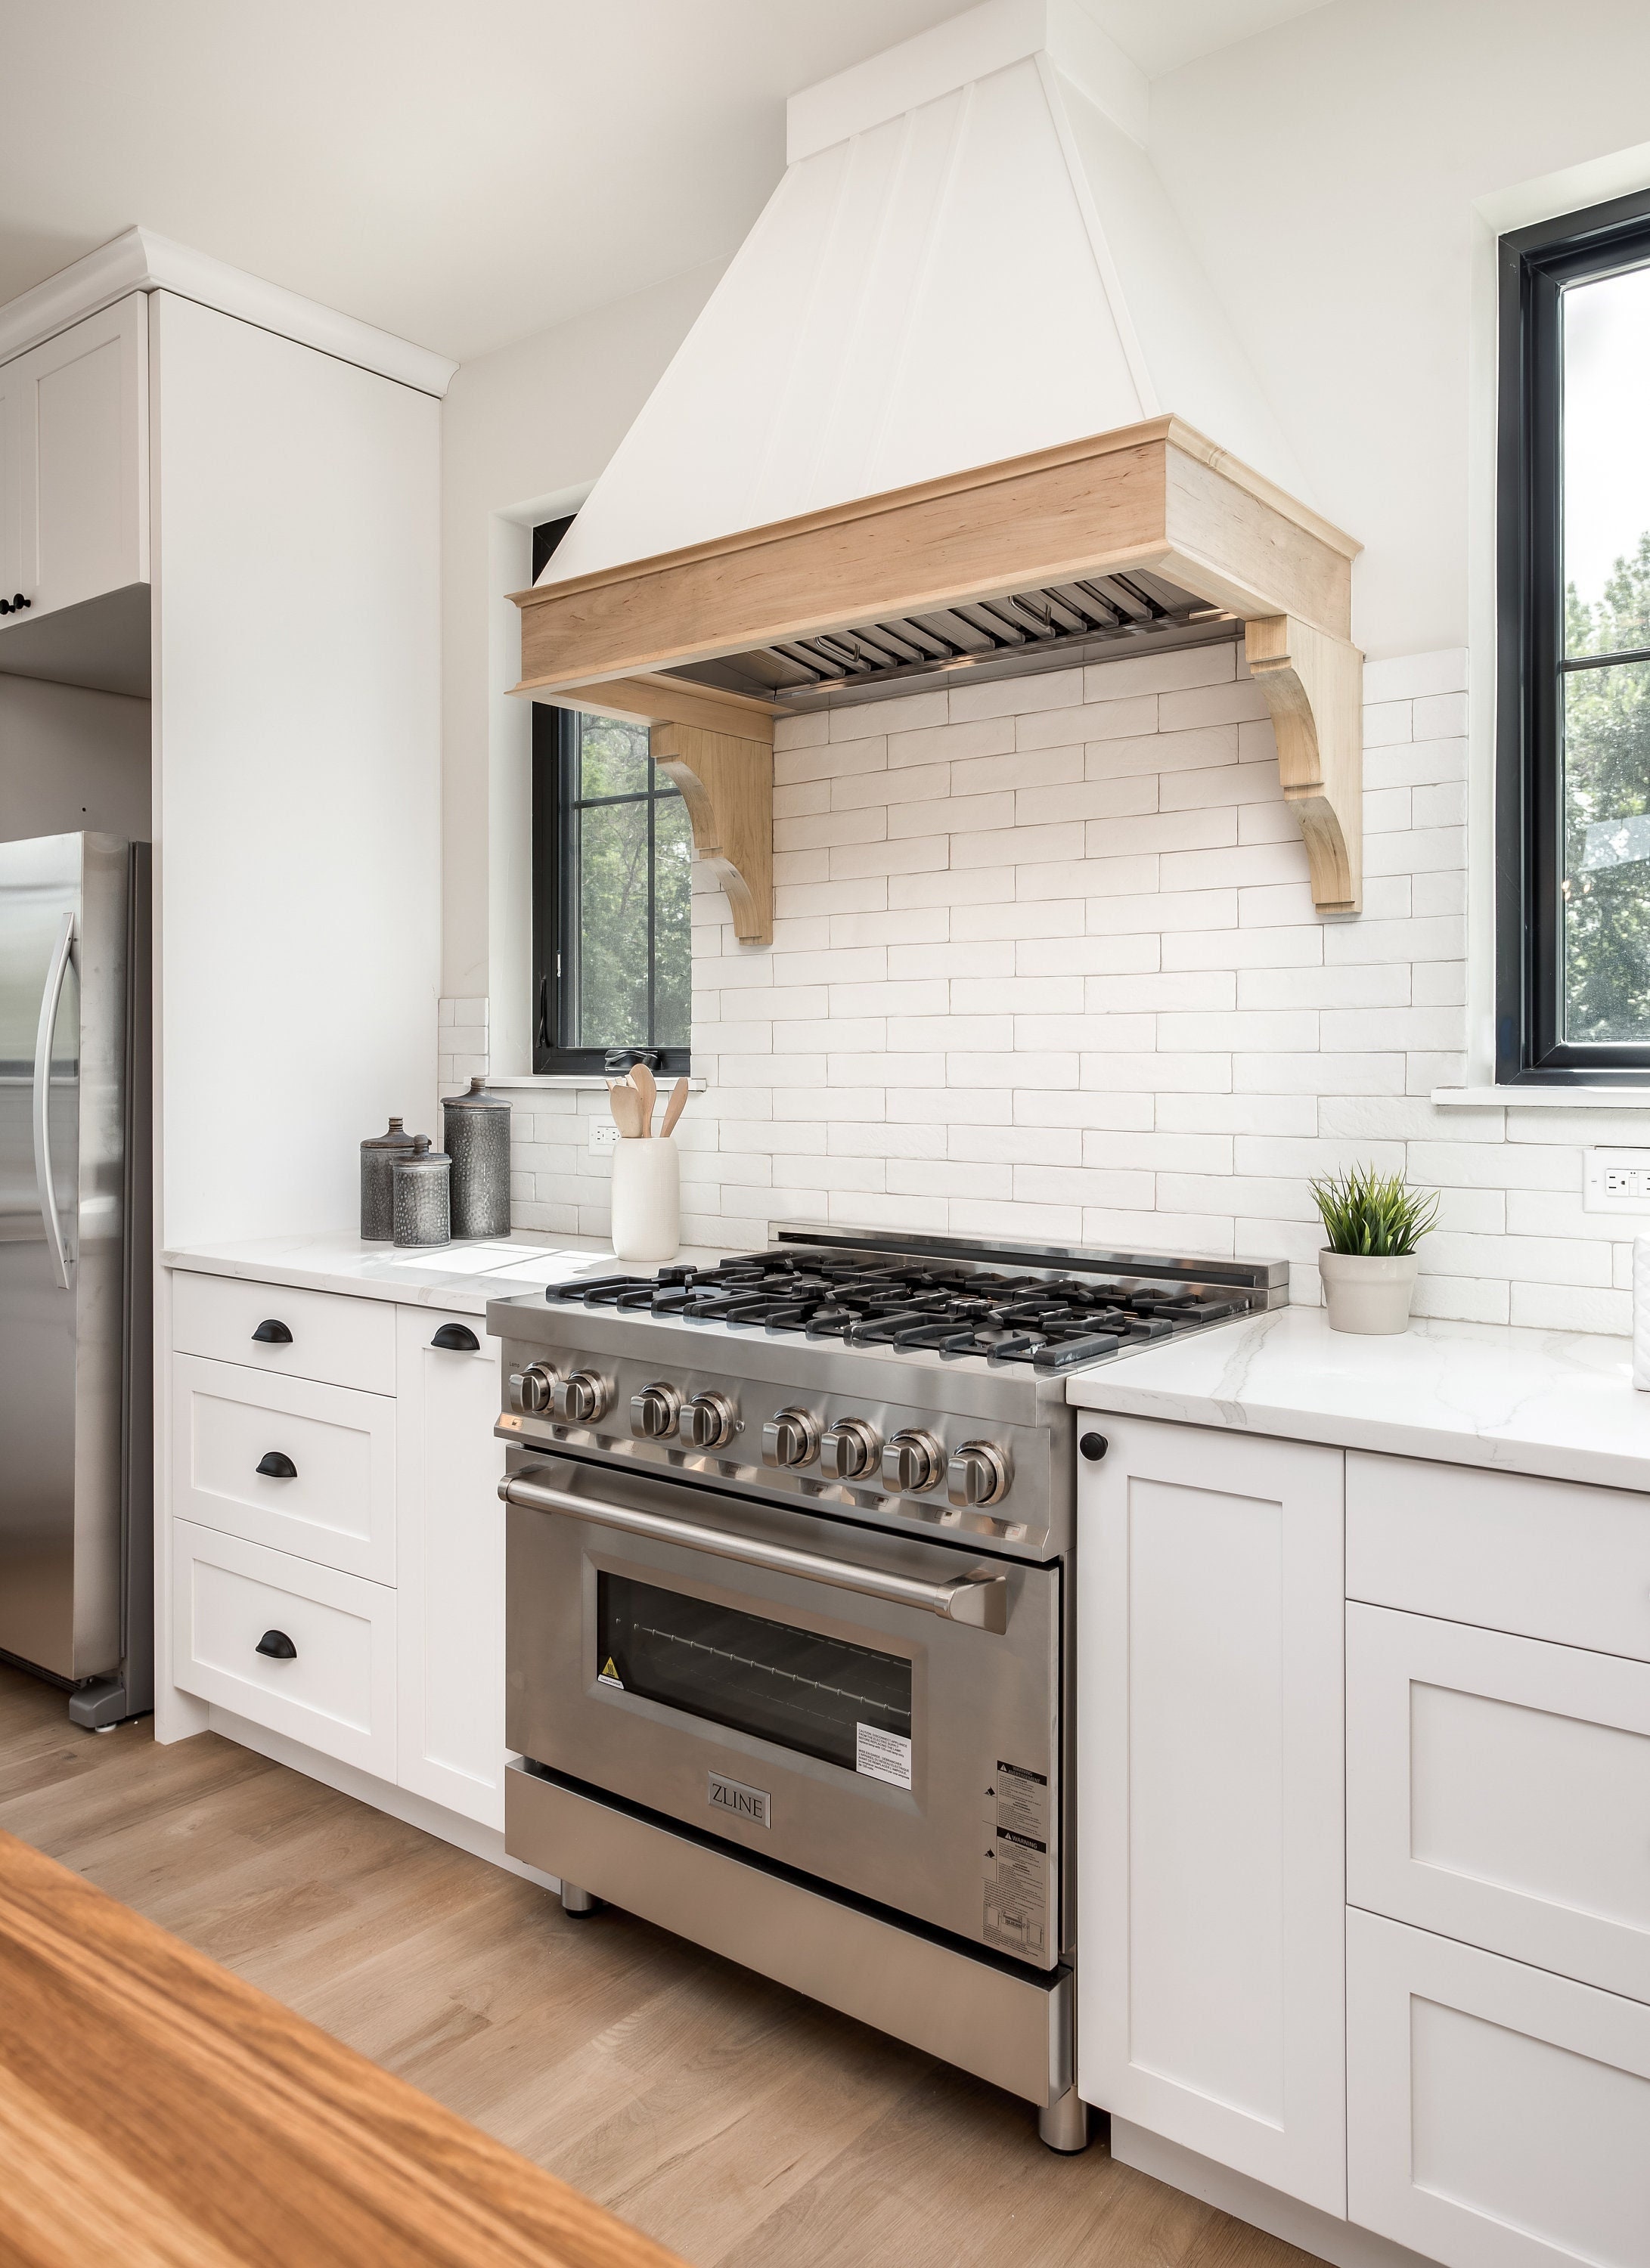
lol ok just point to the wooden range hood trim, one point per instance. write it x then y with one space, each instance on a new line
1156 494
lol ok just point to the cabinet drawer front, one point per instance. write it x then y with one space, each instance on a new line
1497 1790
335 1339
1497 2116
335 1691
1542 1558
332 1496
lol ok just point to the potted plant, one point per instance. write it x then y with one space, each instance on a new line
1373 1223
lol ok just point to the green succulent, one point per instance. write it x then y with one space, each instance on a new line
1376 1214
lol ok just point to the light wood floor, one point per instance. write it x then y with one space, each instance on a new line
726 2117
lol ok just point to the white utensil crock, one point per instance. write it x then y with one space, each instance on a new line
1365 1292
646 1199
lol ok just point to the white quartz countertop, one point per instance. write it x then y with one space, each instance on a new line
460 1278
1557 1403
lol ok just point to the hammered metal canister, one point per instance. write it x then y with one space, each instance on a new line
379 1154
475 1128
419 1198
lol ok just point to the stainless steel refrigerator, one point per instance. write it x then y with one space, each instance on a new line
76 1371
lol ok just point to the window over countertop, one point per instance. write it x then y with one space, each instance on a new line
612 957
1573 767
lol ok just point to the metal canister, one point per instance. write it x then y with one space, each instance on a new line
379 1154
419 1197
475 1127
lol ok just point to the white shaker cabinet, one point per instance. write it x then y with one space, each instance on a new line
1499 2115
74 464
452 1564
1209 1596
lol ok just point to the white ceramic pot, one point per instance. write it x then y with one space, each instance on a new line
1367 1292
646 1199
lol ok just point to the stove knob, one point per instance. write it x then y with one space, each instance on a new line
707 1420
530 1389
912 1464
848 1449
580 1398
977 1474
791 1436
653 1411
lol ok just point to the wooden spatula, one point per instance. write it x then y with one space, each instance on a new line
647 1087
673 1109
626 1105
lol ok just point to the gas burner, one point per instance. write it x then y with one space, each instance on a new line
1053 1322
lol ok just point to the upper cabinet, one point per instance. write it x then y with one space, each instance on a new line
74 465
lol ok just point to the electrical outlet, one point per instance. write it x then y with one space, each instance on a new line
1617 1180
604 1134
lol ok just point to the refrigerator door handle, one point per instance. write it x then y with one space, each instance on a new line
50 999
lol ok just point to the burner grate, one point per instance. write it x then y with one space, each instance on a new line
1055 1324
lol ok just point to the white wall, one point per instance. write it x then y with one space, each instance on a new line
524 433
1328 173
71 761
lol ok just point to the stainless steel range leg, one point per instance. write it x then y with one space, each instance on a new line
579 1903
1064 2125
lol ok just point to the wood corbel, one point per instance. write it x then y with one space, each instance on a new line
727 785
1313 685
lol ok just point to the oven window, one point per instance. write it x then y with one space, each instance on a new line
792 1686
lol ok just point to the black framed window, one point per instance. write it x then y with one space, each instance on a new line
1572 779
612 961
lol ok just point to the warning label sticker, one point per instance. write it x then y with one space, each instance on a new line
608 1675
1021 1801
883 1756
1016 1860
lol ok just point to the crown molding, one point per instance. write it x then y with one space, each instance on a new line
137 259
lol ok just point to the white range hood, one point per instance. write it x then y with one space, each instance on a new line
969 257
964 401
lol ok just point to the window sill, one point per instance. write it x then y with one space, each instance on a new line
575 1080
1540 1098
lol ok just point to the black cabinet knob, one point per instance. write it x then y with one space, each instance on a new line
272 1334
278 1646
16 606
1093 1446
277 1466
456 1339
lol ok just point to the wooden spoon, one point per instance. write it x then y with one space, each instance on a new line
673 1109
626 1105
647 1087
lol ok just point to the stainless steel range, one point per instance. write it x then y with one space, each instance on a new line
789 1580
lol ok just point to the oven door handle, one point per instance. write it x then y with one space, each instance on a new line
978 1598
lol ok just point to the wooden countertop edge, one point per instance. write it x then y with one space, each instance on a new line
436 2187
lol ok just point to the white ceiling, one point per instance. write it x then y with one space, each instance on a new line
464 172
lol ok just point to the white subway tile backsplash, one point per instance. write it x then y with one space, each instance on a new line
1414 675
1046 965
1160 673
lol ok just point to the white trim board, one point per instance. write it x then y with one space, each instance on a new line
139 260
1340 2241
1540 1098
379 1795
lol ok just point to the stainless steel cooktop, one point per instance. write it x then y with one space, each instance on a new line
916 1380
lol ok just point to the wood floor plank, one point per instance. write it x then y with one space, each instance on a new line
738 2125
237 2123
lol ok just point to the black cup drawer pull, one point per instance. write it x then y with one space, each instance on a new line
272 1334
277 1466
457 1338
278 1646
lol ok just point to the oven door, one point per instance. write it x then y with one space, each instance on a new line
877 1712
